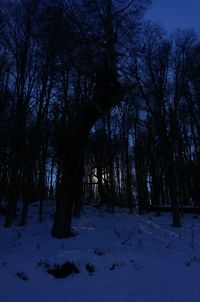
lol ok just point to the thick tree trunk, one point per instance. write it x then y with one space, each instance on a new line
63 215
69 190
107 93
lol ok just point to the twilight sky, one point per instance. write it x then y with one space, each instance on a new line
176 13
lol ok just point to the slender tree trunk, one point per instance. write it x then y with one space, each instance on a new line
12 198
176 220
100 185
129 195
171 170
141 178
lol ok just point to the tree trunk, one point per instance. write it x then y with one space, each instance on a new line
129 195
69 190
12 199
172 183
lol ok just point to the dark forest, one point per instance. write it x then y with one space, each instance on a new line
97 105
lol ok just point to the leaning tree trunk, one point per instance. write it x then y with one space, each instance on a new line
107 93
73 158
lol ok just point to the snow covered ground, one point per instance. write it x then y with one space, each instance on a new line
135 259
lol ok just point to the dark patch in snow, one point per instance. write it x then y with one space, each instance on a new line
99 252
113 266
19 235
63 270
117 234
43 263
135 264
126 241
192 260
90 268
22 276
169 246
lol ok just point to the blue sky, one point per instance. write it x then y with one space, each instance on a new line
176 13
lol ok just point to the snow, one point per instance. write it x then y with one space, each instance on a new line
136 259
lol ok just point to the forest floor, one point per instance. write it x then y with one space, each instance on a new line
118 257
